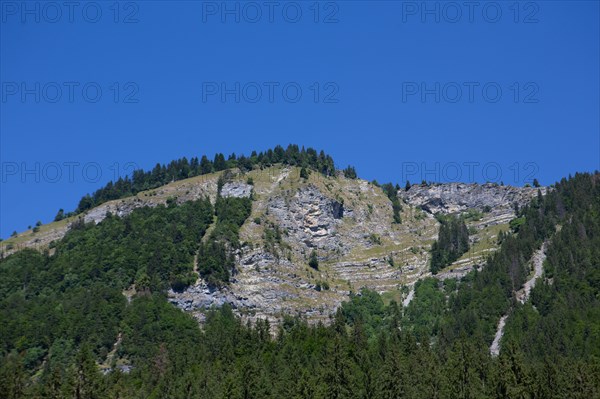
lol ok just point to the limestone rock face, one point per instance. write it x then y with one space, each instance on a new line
236 189
447 198
496 205
116 208
310 219
347 222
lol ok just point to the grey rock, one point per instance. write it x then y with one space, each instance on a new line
458 197
310 220
236 189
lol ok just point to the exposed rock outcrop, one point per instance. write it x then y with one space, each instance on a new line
498 201
236 189
489 205
348 222
310 220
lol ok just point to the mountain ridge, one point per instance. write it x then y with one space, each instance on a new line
321 274
347 221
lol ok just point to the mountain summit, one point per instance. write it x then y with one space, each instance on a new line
360 234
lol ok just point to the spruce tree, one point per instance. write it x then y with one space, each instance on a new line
313 260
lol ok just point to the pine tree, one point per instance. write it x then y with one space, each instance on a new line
54 387
350 172
205 165
88 380
513 379
219 162
452 242
60 215
303 173
393 379
464 371
335 370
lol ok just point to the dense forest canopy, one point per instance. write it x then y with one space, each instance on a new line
215 258
63 313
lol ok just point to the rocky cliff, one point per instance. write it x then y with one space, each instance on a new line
347 222
498 201
488 207
349 225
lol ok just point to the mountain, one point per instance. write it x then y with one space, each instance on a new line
347 222
271 279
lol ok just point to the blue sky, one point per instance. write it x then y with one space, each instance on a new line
501 92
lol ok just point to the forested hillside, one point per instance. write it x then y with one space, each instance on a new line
63 311
453 241
562 321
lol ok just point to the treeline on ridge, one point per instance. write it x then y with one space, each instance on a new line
183 168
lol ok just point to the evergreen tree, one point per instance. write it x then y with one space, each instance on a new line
313 261
60 215
12 376
88 380
219 162
392 193
303 173
466 371
452 242
206 166
394 376
336 372
350 172
513 376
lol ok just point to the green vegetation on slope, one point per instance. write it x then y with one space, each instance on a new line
566 301
452 242
76 294
392 192
563 316
62 313
182 169
215 259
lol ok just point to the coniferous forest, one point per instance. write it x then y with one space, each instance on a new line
61 314
453 241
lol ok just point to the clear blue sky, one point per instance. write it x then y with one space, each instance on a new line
400 91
